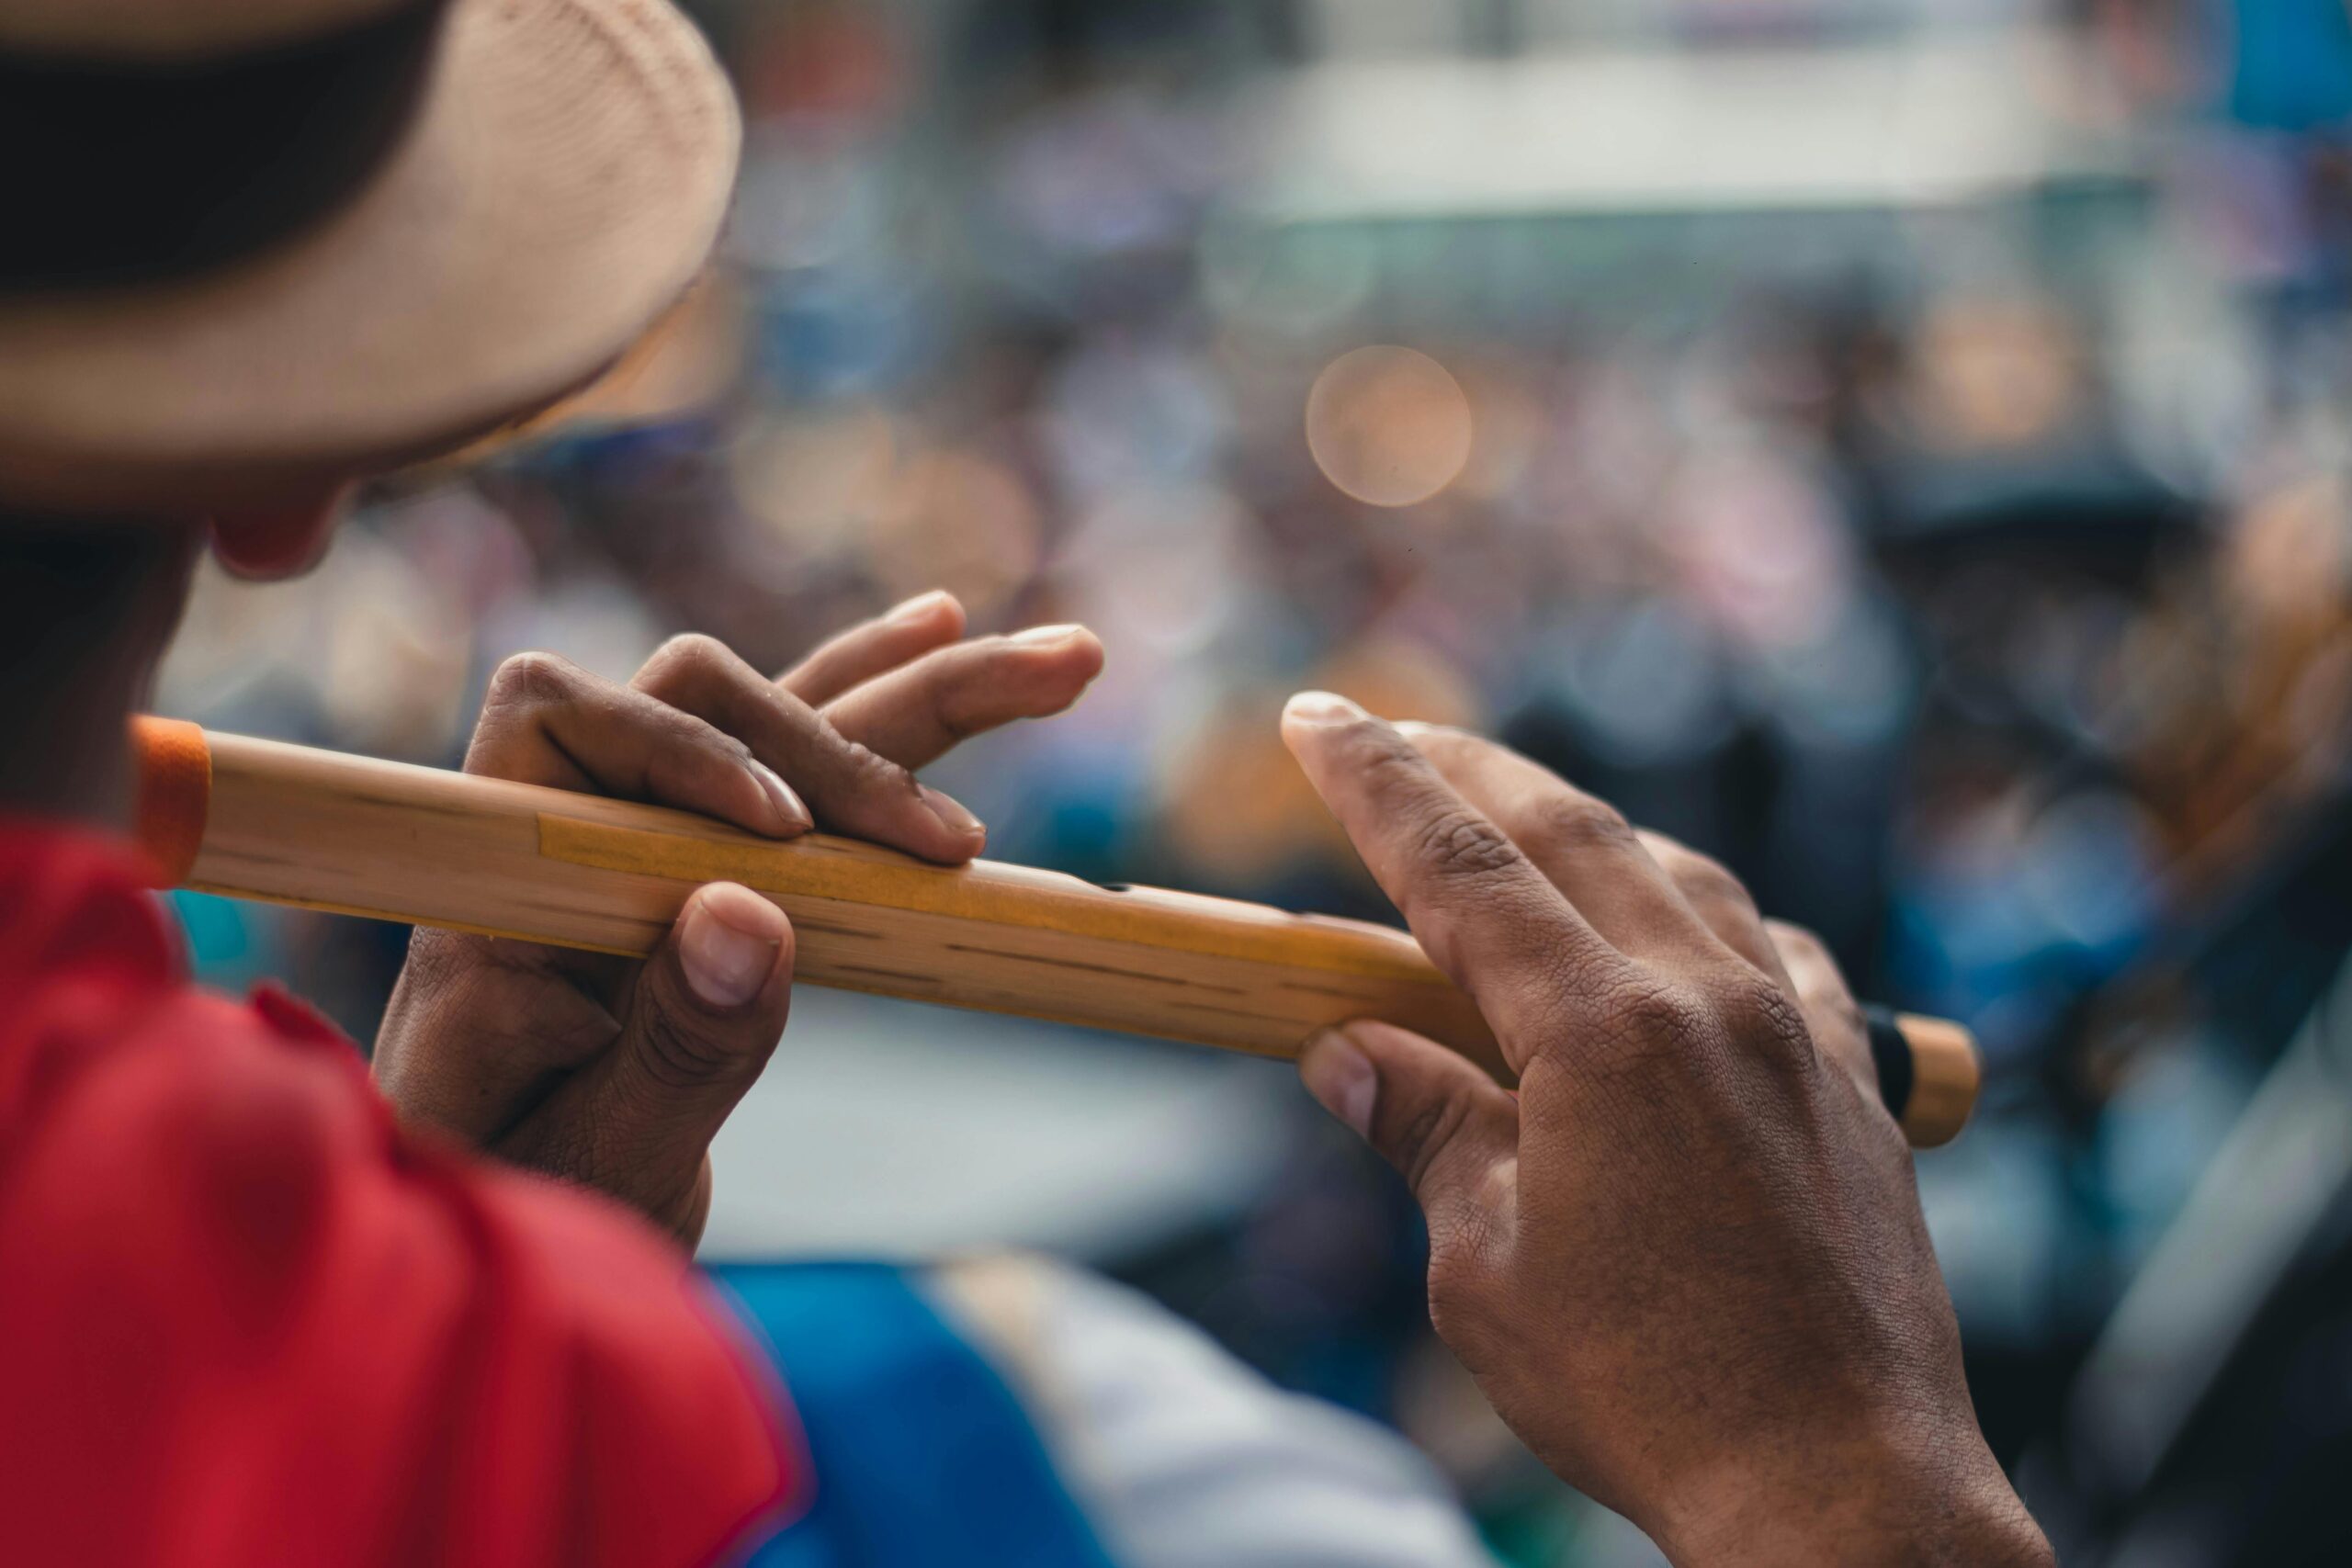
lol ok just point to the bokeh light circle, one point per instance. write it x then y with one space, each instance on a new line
1388 425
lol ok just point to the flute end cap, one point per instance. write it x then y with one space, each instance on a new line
174 767
1946 1072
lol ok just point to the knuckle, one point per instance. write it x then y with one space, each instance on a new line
1389 765
1656 1012
1800 949
1572 823
1656 1031
1639 1027
681 659
692 649
1464 1297
1843 1015
1456 842
1705 880
1566 989
527 679
677 1054
1764 1020
1813 970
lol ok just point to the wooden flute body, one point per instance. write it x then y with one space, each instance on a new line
354 835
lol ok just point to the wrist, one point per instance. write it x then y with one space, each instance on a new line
1872 1507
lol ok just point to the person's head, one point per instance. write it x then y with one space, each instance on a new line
258 249
268 247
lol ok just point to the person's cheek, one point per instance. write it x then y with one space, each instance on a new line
281 543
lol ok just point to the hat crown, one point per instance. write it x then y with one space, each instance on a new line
180 164
532 184
165 30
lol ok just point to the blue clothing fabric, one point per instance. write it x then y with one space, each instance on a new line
922 1455
2292 64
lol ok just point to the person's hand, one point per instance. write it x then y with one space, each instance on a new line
1686 1262
616 1073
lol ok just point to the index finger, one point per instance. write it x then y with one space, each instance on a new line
848 659
851 789
923 709
1596 859
1480 908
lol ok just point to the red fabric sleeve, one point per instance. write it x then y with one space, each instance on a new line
245 1319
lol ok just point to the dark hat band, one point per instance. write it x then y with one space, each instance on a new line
116 172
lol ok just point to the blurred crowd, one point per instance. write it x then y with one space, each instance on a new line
1956 546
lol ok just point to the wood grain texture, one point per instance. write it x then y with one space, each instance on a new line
1946 1074
358 836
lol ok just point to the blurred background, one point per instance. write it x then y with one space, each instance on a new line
1898 446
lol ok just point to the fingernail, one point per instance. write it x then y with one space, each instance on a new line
1341 1078
789 808
918 608
951 812
1322 708
1042 637
726 965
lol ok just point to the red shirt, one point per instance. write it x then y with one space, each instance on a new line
245 1319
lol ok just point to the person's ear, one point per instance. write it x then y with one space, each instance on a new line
281 542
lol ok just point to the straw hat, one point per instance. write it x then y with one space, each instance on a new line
268 244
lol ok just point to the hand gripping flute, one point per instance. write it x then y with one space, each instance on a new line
326 830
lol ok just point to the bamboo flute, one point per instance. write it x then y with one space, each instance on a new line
355 835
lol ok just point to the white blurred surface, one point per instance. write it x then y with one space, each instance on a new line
1923 122
895 1129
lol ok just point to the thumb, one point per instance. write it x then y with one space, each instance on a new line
702 1021
1439 1119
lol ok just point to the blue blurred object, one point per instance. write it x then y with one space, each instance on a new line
920 1452
2291 69
231 944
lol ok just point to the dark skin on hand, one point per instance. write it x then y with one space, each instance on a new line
1686 1261
615 1073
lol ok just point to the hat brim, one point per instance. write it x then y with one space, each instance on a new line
562 186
